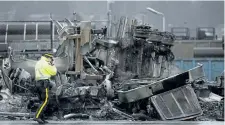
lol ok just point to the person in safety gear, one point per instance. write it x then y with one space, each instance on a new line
44 69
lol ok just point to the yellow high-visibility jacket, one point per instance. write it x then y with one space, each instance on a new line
43 70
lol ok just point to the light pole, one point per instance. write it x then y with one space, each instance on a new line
109 17
158 13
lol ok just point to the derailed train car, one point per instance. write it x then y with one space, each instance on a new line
104 87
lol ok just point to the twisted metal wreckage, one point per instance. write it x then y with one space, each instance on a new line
129 77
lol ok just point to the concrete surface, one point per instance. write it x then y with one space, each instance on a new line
114 123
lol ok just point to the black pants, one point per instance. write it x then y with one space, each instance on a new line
42 89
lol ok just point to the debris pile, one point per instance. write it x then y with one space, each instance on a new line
131 77
211 110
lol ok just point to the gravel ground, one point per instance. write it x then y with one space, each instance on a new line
211 110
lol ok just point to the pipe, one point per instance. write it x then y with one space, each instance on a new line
73 115
164 23
42 51
14 114
208 52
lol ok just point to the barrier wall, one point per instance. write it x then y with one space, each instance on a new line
212 67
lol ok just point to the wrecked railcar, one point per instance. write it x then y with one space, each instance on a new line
88 79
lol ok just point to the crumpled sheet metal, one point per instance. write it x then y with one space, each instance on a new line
144 91
196 73
80 91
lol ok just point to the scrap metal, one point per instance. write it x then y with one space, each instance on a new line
177 104
163 85
129 76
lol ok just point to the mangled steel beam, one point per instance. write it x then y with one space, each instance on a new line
110 108
122 114
144 91
72 91
72 115
68 22
86 76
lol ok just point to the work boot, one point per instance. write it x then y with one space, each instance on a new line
39 120
44 121
43 118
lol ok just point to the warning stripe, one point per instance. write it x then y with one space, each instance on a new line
46 100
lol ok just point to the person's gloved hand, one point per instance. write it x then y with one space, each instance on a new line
52 62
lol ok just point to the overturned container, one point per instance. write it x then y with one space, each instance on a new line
172 97
177 104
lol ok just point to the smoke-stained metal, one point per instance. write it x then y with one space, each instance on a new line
128 95
96 74
68 22
58 25
176 109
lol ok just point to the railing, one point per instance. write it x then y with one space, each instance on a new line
181 32
202 33
26 30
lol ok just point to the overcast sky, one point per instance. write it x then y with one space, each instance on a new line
191 14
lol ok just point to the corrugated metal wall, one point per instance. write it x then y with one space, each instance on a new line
212 67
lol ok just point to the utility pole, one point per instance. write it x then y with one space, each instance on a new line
109 18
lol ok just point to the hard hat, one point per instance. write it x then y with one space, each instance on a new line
48 55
